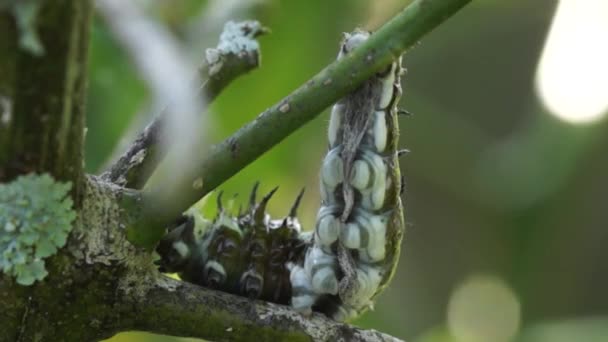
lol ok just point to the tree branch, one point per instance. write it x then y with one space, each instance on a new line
181 309
276 123
222 65
138 162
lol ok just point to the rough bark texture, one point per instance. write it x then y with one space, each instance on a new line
231 318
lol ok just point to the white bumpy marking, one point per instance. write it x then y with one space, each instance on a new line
387 88
369 278
332 174
328 226
303 297
321 267
182 249
215 266
373 197
351 235
334 123
376 248
360 175
380 131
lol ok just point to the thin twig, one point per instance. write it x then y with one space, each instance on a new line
221 66
162 63
228 157
196 311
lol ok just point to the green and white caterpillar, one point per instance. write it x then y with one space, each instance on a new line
360 222
350 257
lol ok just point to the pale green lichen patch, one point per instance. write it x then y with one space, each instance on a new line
36 217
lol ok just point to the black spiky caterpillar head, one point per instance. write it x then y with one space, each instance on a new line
244 254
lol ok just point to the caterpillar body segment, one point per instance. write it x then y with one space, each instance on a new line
322 266
346 261
328 225
303 296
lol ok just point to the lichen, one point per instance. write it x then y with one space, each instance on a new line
238 38
36 217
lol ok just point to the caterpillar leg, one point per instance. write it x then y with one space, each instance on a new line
359 297
303 296
321 266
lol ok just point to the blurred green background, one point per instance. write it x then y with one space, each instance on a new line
505 204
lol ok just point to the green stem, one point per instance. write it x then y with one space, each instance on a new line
224 160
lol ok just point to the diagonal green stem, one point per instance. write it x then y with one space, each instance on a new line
225 159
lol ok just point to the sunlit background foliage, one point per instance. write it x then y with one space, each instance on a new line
507 235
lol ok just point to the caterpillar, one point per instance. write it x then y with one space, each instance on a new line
339 268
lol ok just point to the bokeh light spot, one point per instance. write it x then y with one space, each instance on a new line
572 77
482 309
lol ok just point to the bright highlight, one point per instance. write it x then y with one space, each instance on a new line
572 77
